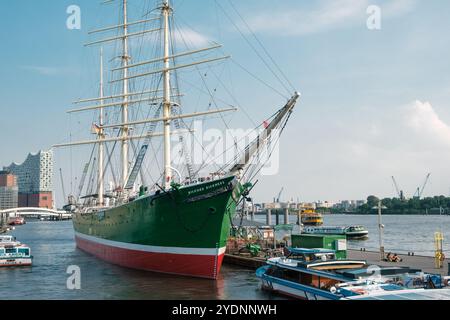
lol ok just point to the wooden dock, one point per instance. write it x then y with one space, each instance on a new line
244 261
426 264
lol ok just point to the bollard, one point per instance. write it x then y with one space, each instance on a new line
269 217
286 216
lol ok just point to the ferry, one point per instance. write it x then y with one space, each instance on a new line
15 256
310 217
316 274
352 232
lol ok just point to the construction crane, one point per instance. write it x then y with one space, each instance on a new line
419 191
62 184
400 193
277 199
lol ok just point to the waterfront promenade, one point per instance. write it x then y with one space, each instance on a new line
426 264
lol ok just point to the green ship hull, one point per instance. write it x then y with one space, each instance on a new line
183 231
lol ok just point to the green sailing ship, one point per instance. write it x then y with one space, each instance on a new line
179 225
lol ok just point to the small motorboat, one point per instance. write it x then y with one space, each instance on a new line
351 232
16 221
15 256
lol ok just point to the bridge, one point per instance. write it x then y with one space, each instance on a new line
36 212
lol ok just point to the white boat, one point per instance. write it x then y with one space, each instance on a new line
315 274
352 232
15 256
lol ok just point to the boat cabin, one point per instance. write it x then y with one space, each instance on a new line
7 239
309 255
15 252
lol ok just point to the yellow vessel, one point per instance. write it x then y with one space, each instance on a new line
310 217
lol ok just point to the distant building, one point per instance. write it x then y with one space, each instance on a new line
34 180
324 204
9 192
307 205
349 205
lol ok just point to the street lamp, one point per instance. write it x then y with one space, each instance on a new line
380 228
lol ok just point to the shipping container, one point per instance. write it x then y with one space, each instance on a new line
331 242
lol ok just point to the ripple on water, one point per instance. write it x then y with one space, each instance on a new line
53 248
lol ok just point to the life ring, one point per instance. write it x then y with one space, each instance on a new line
442 257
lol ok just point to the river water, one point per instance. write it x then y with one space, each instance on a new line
402 233
54 250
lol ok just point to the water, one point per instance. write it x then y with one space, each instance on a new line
54 250
402 233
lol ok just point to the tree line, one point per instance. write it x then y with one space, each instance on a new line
429 205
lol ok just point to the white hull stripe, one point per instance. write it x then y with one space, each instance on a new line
152 249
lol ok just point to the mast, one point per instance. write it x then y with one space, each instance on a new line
100 137
166 102
261 140
125 129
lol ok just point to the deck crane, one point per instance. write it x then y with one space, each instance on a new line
419 191
400 193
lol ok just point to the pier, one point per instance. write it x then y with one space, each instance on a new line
3 222
54 215
426 264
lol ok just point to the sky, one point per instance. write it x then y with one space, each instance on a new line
375 103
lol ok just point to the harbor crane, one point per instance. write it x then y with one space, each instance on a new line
400 193
419 191
62 184
277 199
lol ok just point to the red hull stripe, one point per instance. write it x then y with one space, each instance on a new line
204 266
153 249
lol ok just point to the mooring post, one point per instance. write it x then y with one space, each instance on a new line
269 217
286 216
380 230
277 217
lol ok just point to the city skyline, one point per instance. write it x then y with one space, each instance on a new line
366 111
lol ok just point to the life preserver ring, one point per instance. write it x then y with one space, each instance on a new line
442 258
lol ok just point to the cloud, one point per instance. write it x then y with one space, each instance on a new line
424 120
191 38
325 16
299 21
398 7
47 71
357 156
